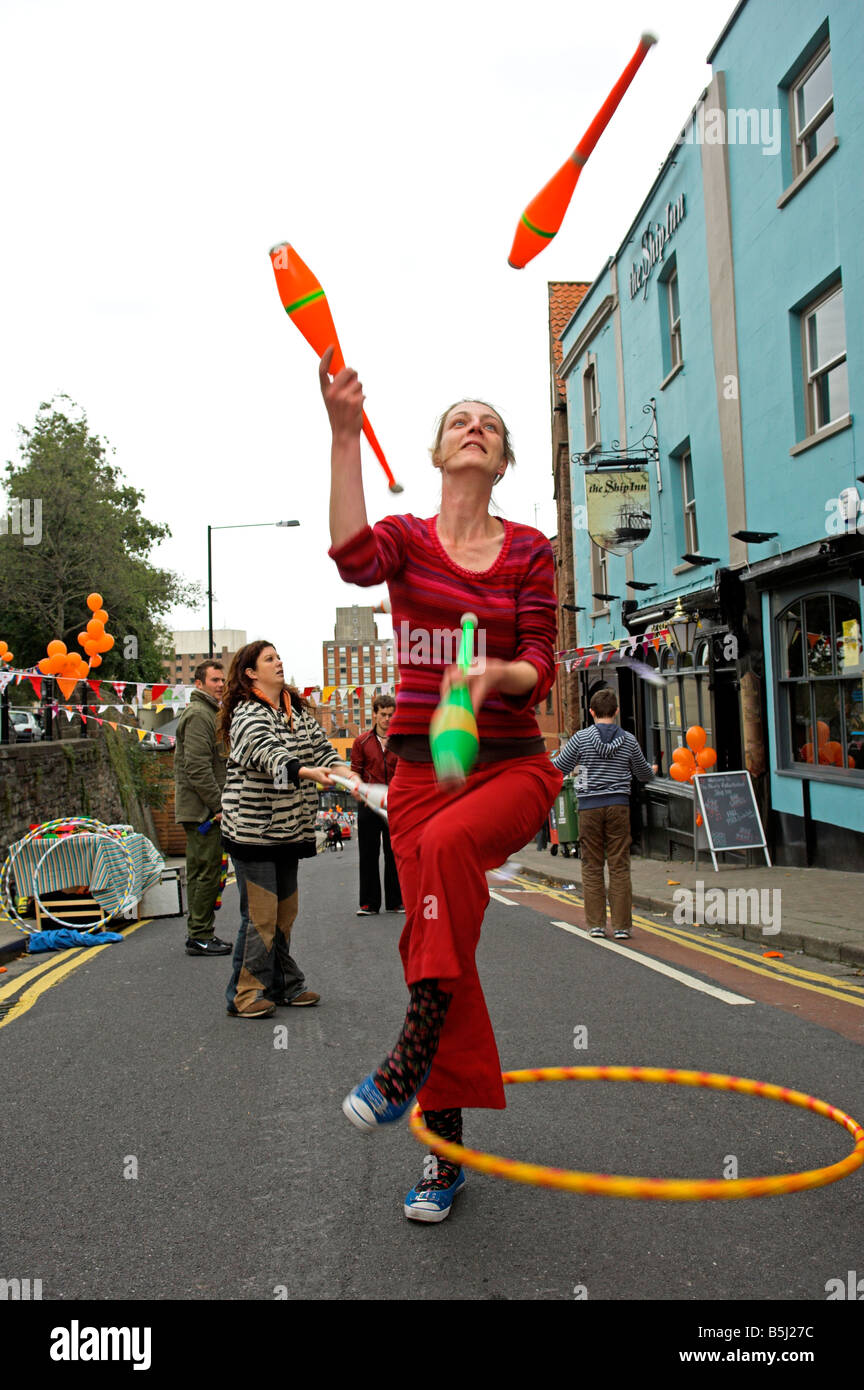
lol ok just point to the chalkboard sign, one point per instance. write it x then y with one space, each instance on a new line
730 816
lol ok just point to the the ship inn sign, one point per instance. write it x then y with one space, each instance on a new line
619 509
654 240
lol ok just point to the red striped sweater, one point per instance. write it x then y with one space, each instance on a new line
514 601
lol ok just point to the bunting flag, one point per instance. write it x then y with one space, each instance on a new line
36 682
94 686
5 678
142 734
119 687
157 690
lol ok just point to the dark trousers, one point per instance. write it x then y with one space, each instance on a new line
203 876
371 832
262 962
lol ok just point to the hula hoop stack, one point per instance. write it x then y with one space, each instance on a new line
656 1189
71 825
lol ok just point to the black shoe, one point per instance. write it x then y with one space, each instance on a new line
366 912
212 947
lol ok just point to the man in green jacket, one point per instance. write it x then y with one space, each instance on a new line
199 776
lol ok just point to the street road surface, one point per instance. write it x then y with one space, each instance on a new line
155 1148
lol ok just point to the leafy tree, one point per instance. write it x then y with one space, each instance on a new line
94 536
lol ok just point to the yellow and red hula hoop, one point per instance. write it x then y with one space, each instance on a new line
662 1189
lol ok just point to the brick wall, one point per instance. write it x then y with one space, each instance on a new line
46 781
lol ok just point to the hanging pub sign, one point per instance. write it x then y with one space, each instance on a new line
619 509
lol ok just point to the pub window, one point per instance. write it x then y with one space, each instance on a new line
688 504
674 310
818 642
599 576
683 701
592 406
670 317
824 352
812 109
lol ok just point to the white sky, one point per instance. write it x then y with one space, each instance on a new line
154 153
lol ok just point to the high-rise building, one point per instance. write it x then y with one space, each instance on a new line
191 648
357 657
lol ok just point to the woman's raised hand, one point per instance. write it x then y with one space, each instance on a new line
343 397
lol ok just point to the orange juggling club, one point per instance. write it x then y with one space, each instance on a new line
306 305
544 214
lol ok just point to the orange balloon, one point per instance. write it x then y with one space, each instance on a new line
55 665
679 773
3 648
100 615
683 756
706 758
95 628
106 643
699 819
822 732
44 665
696 737
56 648
833 753
94 601
10 656
83 638
95 659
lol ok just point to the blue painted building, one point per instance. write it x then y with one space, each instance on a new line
712 373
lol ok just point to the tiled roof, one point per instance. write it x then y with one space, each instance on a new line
565 296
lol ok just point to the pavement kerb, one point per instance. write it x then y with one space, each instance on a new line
821 942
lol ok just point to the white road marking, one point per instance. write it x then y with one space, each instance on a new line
659 966
498 898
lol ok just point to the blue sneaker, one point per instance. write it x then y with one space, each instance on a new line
435 1204
367 1108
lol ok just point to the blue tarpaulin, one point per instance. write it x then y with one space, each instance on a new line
64 937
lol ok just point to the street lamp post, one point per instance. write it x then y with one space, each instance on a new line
241 526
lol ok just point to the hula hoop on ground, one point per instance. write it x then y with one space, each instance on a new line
665 1189
81 823
127 893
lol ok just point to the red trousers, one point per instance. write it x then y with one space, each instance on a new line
443 844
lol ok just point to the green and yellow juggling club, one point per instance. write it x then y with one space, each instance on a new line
453 735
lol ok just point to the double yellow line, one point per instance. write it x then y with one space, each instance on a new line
49 973
849 993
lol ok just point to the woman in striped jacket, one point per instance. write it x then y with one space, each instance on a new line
463 559
278 757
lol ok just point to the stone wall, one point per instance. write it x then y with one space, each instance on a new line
81 777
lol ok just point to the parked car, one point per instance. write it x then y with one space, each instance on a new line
23 727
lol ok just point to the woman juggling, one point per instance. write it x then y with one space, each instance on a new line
461 560
278 756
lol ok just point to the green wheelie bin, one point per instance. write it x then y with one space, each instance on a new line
567 818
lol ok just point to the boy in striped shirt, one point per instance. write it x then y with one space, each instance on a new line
608 758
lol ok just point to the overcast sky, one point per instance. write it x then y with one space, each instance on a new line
154 153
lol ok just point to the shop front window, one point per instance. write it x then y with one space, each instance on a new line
684 700
820 685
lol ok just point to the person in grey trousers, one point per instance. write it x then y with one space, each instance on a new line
608 758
